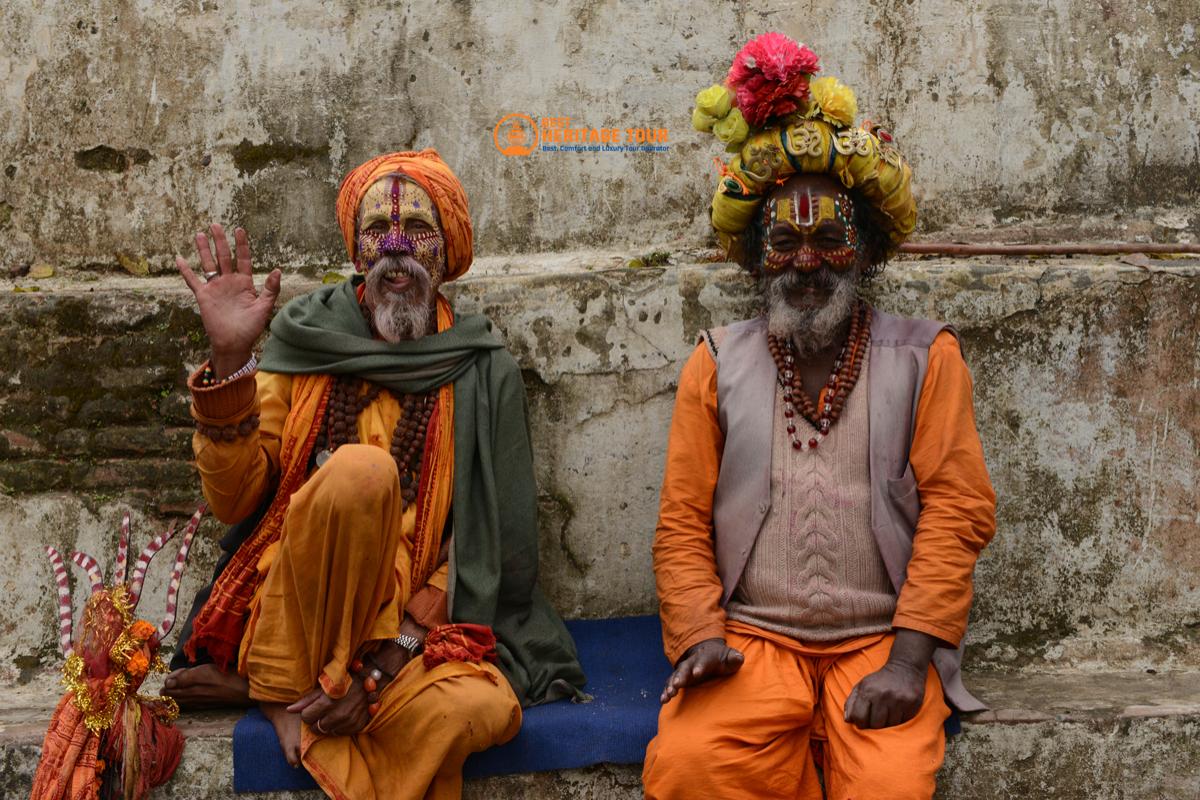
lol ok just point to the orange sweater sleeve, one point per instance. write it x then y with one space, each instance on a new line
685 564
237 475
958 505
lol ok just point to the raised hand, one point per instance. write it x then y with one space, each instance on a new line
702 662
233 312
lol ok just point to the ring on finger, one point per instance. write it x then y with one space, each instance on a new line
208 276
321 730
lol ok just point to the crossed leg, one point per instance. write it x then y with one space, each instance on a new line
338 582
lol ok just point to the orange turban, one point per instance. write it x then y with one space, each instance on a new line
435 177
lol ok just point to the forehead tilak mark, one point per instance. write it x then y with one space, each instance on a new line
804 211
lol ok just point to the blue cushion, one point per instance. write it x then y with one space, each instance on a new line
626 670
258 762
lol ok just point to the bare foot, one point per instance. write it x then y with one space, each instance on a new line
287 728
206 686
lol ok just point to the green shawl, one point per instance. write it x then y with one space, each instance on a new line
494 507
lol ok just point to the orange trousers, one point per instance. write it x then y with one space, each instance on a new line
339 581
752 734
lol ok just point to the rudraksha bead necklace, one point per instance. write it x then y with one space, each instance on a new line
845 374
347 400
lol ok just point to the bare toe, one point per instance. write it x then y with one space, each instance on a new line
287 729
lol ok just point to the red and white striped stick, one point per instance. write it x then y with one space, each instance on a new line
177 573
122 552
91 568
65 611
143 563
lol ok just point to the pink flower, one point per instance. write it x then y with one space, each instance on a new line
769 77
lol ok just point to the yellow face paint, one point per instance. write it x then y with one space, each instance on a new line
806 213
396 217
805 210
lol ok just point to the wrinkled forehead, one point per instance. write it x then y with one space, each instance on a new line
396 197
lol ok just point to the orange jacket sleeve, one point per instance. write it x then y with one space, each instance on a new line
237 475
685 564
958 505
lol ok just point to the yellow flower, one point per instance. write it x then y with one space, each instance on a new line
715 101
702 121
834 101
732 130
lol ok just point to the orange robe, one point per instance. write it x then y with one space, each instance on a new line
342 576
957 520
752 734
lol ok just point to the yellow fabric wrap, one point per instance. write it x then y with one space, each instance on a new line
857 157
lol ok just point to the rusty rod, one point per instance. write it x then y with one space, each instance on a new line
1087 248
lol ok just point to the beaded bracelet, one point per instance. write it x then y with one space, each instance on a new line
228 433
375 666
208 378
371 679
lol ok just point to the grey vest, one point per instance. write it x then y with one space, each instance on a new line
745 399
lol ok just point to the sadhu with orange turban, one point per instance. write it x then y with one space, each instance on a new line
431 174
336 458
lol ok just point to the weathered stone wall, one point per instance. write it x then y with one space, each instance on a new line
127 124
1086 376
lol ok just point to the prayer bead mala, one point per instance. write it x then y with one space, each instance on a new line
841 381
347 401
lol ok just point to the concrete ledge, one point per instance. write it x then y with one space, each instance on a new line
1069 736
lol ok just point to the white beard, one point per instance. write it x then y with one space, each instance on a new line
810 329
399 317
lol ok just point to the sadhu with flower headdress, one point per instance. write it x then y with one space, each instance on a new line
825 495
377 422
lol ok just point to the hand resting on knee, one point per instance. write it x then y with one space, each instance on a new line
702 662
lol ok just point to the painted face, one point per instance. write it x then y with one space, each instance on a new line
809 224
396 218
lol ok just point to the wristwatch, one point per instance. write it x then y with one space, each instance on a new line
410 643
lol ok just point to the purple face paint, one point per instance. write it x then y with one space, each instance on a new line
407 228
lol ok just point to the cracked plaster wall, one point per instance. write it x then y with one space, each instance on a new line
127 124
1086 393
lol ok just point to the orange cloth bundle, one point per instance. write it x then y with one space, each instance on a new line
459 642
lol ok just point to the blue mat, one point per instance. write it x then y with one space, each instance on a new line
626 670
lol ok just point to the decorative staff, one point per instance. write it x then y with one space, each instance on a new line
105 739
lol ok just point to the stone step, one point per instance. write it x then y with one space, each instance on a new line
1062 736
1085 379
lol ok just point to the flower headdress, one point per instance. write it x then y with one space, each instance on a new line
779 120
106 740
